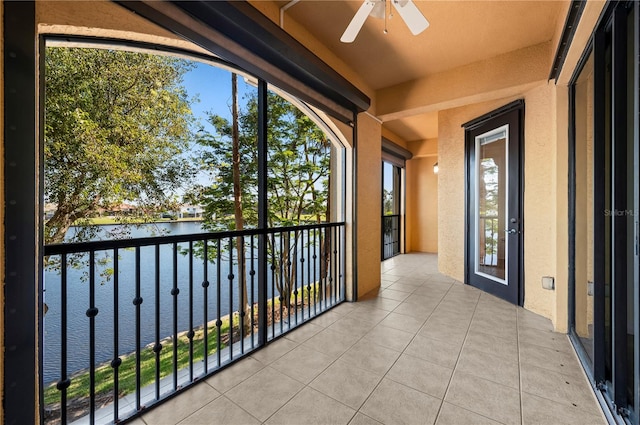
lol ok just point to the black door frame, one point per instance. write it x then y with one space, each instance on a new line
611 30
22 212
517 106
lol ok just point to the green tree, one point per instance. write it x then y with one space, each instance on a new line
298 176
387 201
116 127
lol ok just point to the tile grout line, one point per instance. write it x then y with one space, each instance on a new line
455 366
223 394
307 385
401 353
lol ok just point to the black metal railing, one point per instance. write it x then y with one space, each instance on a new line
488 240
390 236
130 322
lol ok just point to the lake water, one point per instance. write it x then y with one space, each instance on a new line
78 301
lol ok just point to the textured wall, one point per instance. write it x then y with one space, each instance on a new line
369 199
102 18
540 198
422 204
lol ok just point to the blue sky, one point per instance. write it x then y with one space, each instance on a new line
212 87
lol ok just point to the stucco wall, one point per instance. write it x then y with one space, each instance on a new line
540 199
101 18
422 204
368 216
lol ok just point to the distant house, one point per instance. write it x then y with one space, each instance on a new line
122 209
191 211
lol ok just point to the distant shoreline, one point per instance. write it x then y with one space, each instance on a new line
114 221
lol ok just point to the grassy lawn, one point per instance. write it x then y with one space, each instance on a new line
127 371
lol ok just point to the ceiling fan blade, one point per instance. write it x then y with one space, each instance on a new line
357 22
411 15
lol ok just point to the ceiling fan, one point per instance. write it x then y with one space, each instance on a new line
407 10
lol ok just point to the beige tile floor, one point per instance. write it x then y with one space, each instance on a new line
423 350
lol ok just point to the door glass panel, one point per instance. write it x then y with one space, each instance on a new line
608 304
491 202
584 191
629 212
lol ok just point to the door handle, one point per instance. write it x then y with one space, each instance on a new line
510 231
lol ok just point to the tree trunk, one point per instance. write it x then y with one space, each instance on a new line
325 245
237 204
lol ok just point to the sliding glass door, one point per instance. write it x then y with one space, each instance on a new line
604 163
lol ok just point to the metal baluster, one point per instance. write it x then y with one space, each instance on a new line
309 283
282 282
334 264
302 281
253 274
157 346
218 278
116 362
137 301
205 285
290 277
174 292
242 279
325 267
295 279
343 288
230 277
64 382
273 280
191 333
315 275
326 263
92 312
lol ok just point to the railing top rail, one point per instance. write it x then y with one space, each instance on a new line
80 247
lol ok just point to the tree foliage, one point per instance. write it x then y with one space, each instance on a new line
298 162
116 127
